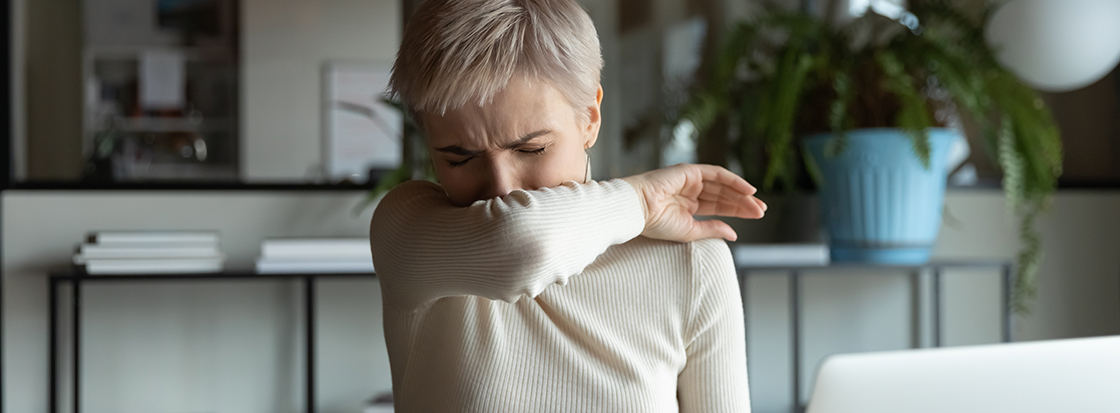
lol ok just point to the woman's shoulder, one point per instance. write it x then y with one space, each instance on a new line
712 254
704 257
702 272
712 263
653 251
705 249
711 248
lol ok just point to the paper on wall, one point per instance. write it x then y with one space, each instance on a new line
361 131
162 80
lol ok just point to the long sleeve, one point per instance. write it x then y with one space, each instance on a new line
715 375
425 248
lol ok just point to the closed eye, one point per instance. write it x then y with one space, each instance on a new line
459 163
532 151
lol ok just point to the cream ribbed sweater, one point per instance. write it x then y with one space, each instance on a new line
548 301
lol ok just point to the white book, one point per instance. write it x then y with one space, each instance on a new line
316 247
780 255
145 238
147 245
94 251
155 266
289 266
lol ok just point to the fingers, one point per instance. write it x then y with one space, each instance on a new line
680 192
750 209
722 186
713 229
724 178
745 207
725 194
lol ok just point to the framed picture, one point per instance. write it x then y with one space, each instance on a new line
360 131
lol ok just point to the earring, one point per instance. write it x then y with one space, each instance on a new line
587 171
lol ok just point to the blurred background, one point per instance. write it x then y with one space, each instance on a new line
261 119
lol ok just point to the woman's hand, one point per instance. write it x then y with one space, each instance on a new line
671 197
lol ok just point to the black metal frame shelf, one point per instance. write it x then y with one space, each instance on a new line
77 278
914 271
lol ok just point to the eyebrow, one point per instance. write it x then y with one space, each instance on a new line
458 150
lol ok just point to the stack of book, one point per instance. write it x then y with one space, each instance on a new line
150 252
315 255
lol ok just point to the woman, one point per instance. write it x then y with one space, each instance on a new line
520 284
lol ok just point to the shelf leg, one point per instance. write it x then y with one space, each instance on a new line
1008 314
746 313
937 306
309 335
52 338
76 340
795 336
917 298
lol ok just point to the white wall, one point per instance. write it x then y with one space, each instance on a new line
284 45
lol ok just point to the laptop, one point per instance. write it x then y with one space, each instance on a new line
1074 375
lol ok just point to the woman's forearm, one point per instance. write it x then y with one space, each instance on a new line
425 248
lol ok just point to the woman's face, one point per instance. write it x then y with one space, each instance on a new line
528 137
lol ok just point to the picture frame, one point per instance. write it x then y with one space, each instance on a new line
361 131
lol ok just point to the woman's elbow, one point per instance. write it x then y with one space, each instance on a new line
532 262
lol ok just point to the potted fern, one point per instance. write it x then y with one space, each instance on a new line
869 108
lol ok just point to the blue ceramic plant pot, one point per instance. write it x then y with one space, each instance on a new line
878 202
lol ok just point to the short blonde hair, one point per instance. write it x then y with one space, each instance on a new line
457 51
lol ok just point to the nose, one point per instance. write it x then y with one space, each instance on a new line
503 180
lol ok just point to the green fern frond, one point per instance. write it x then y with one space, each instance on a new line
838 115
1011 162
1029 259
793 71
913 116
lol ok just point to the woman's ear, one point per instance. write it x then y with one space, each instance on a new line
594 119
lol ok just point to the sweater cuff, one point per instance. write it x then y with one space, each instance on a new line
625 209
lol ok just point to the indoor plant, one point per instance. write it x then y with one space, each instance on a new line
788 75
